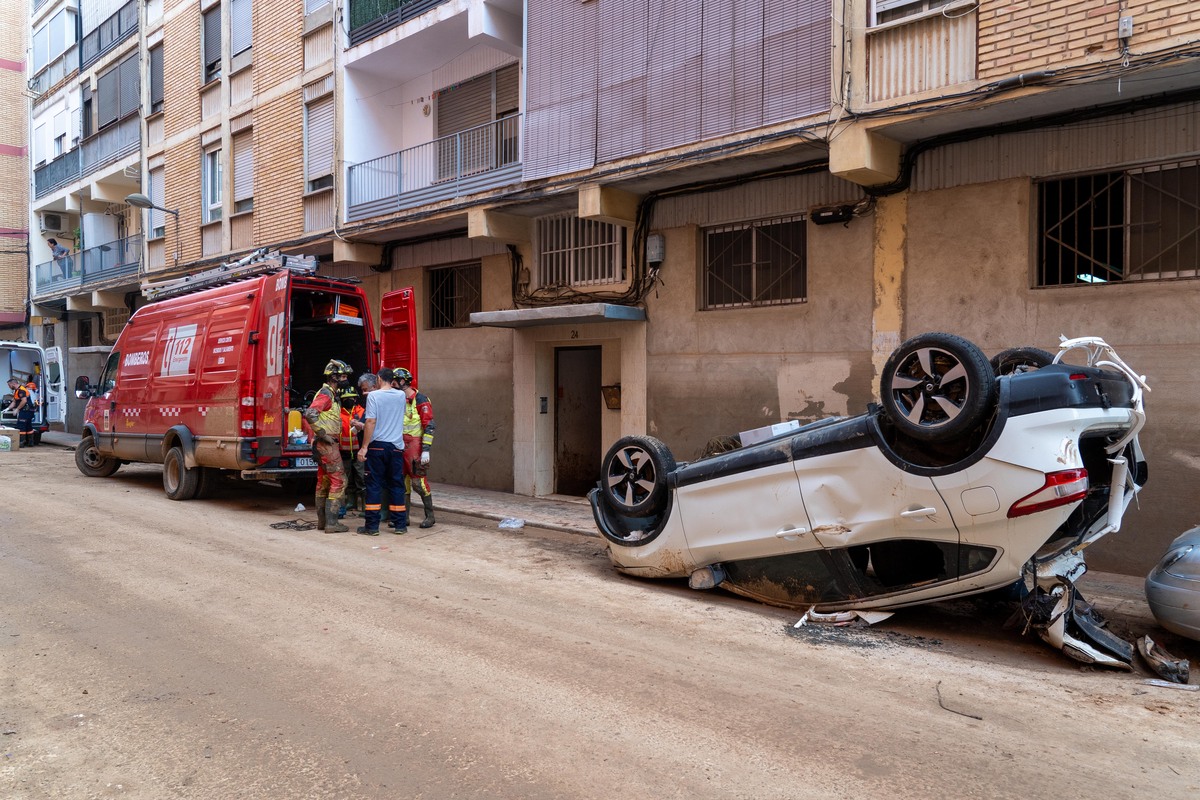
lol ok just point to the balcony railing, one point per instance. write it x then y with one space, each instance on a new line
369 18
93 266
111 144
110 33
466 162
60 172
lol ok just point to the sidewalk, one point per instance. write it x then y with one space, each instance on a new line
569 514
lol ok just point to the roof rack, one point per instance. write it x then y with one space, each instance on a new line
259 262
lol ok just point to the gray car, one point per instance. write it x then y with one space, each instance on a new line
1173 586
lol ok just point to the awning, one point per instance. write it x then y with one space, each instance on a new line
559 315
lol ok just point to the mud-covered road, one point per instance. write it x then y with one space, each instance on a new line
154 649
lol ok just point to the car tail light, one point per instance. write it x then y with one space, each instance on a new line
246 408
1060 489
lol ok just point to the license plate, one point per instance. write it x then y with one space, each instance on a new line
304 462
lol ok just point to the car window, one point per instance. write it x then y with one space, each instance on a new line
108 380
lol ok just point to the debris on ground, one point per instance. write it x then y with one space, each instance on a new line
299 507
512 523
295 525
1169 668
1187 687
938 689
841 618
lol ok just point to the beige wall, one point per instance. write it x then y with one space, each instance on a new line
969 272
1023 36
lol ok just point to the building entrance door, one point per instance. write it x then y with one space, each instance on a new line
576 419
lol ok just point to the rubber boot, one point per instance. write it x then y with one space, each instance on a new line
332 525
429 521
320 514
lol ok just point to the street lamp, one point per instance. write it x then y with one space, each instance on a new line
139 200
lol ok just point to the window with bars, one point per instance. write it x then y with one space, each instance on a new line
1138 224
455 292
759 263
579 252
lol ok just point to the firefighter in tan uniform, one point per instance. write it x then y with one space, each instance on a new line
324 416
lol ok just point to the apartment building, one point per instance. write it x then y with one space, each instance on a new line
673 217
14 169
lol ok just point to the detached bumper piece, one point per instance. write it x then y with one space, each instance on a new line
1065 621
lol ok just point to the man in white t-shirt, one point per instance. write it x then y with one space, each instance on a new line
383 451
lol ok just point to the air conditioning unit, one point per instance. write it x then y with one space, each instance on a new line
52 222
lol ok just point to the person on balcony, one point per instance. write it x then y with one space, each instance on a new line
62 257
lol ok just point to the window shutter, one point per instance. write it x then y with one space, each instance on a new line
158 196
239 26
131 95
318 138
243 166
156 79
212 36
508 90
464 106
107 98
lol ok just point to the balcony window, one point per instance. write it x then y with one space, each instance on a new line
891 10
214 176
240 26
118 94
53 39
759 263
1138 224
156 79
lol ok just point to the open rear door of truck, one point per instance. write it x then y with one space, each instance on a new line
54 396
398 332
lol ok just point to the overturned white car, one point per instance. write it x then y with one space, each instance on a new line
971 476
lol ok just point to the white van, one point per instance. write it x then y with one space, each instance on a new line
27 362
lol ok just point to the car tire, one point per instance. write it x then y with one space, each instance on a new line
633 478
179 482
91 463
937 386
210 479
1020 359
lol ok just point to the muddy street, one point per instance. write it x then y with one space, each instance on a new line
153 649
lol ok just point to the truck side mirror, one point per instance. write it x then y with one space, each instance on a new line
83 388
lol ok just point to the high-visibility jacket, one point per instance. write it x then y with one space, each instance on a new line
325 413
418 419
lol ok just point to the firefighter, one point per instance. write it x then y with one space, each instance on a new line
22 403
324 416
352 411
418 438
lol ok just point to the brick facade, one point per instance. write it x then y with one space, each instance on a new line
14 160
1029 35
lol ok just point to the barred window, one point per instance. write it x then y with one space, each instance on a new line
1138 224
454 294
890 10
759 263
579 252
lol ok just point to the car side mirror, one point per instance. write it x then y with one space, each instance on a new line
83 388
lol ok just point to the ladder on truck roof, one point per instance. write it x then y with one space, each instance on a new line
257 263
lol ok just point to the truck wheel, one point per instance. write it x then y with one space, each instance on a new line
634 476
937 386
179 482
91 463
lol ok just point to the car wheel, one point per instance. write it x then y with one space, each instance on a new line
634 474
210 479
1020 359
937 386
91 463
179 482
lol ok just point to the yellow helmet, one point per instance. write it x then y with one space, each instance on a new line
337 367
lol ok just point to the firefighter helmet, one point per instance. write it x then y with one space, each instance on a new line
401 375
337 367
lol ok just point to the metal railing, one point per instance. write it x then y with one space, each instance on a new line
117 259
369 18
60 172
111 144
108 34
469 161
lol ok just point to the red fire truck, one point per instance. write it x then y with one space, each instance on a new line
212 374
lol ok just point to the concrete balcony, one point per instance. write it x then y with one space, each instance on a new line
480 158
94 268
